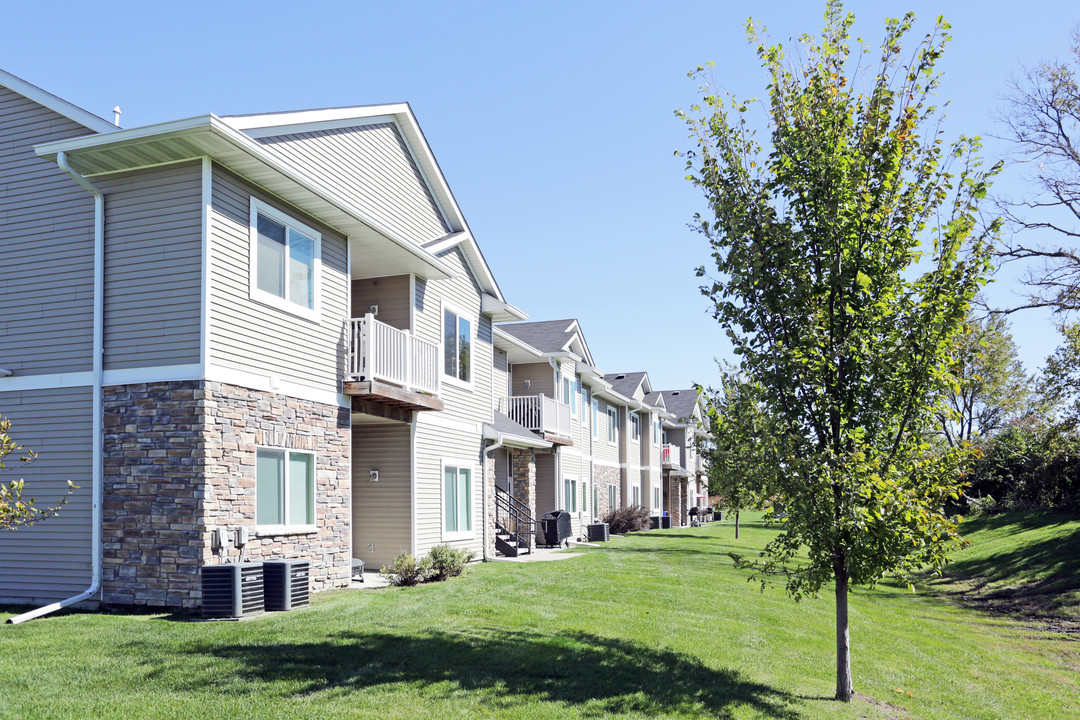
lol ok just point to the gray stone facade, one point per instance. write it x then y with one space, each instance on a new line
523 483
180 463
606 477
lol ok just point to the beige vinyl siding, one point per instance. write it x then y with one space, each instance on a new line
470 402
46 222
380 510
153 266
541 379
371 166
51 560
500 379
602 451
546 494
391 294
434 445
249 336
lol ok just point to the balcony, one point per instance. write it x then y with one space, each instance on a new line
390 369
540 414
672 456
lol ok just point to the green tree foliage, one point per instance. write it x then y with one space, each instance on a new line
992 386
847 254
15 510
1029 465
738 454
1059 386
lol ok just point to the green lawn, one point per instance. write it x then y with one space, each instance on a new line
656 624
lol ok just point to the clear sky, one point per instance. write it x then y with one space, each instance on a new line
553 122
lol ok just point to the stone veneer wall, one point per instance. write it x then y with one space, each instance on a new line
606 476
154 490
180 462
239 421
523 485
489 511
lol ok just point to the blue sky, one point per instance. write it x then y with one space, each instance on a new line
553 122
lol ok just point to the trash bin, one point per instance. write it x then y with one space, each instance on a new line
665 522
555 527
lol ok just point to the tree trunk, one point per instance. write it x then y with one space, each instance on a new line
844 689
736 524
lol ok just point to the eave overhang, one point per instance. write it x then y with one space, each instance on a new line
376 250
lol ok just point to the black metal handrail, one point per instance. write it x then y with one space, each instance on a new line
514 516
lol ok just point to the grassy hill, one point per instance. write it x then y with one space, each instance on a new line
657 624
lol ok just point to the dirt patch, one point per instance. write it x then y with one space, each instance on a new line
893 712
1034 604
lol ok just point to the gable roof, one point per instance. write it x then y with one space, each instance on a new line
681 403
63 107
401 115
627 384
551 336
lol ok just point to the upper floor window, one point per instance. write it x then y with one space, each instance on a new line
635 428
457 346
612 425
595 413
285 257
656 432
568 395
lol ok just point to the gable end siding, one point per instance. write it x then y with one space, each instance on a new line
370 165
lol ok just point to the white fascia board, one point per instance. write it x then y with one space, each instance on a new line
500 311
58 105
563 354
508 439
242 142
505 340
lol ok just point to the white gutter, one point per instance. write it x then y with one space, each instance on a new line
98 402
4 372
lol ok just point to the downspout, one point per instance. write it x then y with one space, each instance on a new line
498 444
98 400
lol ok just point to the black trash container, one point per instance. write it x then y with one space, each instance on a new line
555 527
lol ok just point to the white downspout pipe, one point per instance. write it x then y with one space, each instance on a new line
498 444
98 400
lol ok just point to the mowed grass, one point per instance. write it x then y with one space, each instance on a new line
656 624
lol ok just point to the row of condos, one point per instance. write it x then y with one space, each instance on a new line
275 336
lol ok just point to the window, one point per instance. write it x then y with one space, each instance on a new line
579 397
596 500
457 501
595 415
636 490
612 426
613 497
656 432
635 427
284 261
457 346
568 395
570 495
656 498
284 487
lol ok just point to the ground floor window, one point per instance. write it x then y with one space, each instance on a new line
596 499
613 497
570 495
457 500
636 490
284 487
656 498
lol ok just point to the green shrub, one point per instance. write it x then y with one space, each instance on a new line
406 570
1029 465
629 519
447 562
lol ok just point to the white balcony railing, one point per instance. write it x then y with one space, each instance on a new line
378 351
538 413
672 455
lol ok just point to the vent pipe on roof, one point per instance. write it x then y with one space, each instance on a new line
116 116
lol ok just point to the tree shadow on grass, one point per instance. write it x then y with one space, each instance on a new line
505 670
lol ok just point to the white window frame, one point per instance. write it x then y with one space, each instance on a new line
257 294
596 500
635 427
458 465
613 497
454 379
656 498
287 528
635 493
570 494
656 432
613 426
595 418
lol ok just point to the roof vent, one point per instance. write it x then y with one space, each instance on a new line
620 377
675 393
116 115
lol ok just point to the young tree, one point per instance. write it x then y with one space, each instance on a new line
992 386
1043 118
738 453
1059 386
16 512
847 254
